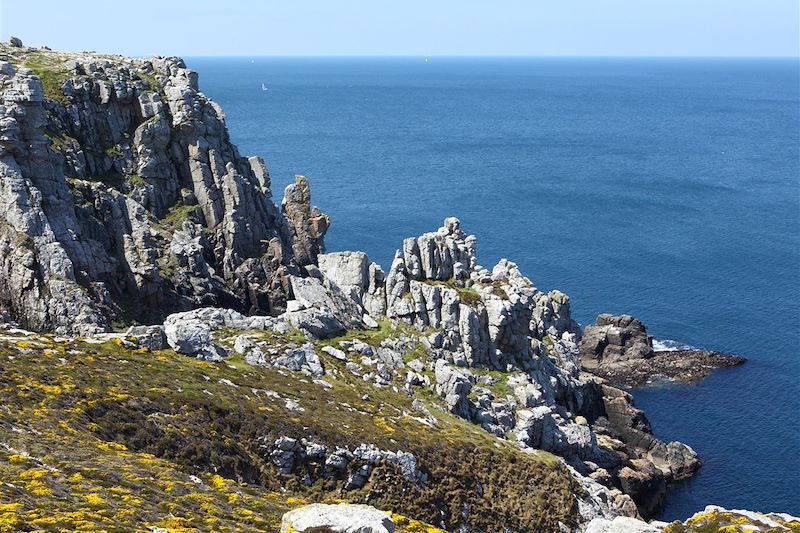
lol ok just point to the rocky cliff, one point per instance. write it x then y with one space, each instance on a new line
122 198
124 203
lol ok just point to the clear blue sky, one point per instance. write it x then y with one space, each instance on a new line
410 27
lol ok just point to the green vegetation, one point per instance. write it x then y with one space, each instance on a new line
417 352
167 266
113 152
137 181
467 295
106 437
151 81
449 283
60 141
373 337
174 218
549 346
497 290
499 387
50 70
226 337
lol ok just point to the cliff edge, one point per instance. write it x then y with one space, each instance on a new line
122 198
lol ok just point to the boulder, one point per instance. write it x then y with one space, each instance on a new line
348 270
334 352
341 518
614 339
620 524
676 460
317 323
454 385
311 292
151 337
192 337
294 358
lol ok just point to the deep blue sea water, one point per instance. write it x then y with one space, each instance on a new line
664 188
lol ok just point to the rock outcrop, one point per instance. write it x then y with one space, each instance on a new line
497 351
614 339
312 461
618 349
349 518
123 198
503 355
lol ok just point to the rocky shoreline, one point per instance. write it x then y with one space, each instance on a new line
618 349
681 366
131 223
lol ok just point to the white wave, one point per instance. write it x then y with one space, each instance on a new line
660 345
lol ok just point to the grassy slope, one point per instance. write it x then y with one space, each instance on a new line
106 437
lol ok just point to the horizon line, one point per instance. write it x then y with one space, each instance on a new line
461 56
421 56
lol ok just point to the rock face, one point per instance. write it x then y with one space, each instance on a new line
617 348
495 319
123 198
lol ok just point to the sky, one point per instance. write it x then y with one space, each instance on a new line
409 27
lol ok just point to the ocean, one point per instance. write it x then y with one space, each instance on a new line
668 189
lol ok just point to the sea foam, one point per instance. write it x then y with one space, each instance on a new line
670 345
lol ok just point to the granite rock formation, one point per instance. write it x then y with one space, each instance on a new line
618 349
614 339
123 198
343 518
472 323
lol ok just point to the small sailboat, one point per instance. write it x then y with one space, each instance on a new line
263 87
